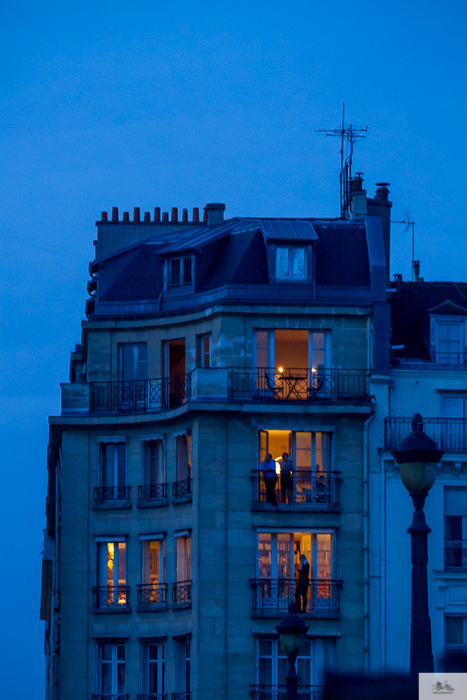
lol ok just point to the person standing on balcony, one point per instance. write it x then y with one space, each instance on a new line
268 467
286 478
301 592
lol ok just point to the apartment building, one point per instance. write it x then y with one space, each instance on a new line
427 375
207 345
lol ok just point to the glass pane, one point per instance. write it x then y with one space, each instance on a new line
121 563
265 647
319 350
121 456
303 450
453 527
106 651
121 652
153 669
298 264
186 270
304 669
175 272
282 263
110 563
455 501
323 452
206 351
106 677
265 671
284 543
121 678
454 630
181 458
153 651
264 555
262 349
181 558
323 556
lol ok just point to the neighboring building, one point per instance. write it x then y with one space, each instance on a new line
428 375
206 346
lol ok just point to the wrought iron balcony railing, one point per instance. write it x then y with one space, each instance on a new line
103 494
449 433
150 491
274 594
151 696
181 696
455 555
320 488
182 488
279 692
111 597
302 385
151 594
181 592
140 395
107 696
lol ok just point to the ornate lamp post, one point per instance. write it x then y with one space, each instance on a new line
417 457
292 631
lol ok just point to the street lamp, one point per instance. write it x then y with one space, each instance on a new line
417 457
292 631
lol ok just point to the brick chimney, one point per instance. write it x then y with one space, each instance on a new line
215 213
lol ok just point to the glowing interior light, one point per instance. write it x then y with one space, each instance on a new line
281 369
313 369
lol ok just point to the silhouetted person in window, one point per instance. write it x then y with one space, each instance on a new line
286 478
268 467
301 591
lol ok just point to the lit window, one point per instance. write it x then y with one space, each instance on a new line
180 272
204 350
111 670
291 263
450 342
112 591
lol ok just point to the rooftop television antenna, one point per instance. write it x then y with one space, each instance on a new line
409 224
349 134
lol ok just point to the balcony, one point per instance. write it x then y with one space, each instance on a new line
455 555
139 395
152 596
183 490
271 597
151 696
111 598
279 692
301 385
449 433
112 495
181 696
311 490
152 494
107 696
181 593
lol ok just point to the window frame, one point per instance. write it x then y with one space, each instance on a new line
440 356
183 655
186 262
290 260
114 662
102 446
161 643
146 560
145 457
202 351
451 647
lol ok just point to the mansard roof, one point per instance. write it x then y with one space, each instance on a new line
234 263
413 302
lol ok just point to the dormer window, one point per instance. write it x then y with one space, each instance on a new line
291 263
450 342
180 272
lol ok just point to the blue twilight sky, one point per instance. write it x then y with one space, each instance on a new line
177 104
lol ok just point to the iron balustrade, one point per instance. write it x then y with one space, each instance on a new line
111 493
110 696
181 696
151 696
302 385
279 692
272 595
111 597
308 488
150 594
455 557
140 395
182 488
149 491
181 592
449 433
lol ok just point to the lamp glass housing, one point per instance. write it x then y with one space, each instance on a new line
418 476
291 643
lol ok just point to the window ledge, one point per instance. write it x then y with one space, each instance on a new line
279 614
297 507
111 505
122 609
156 607
182 499
153 502
181 606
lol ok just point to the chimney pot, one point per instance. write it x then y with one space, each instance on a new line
157 214
174 214
126 216
185 215
147 217
104 216
114 213
195 215
215 212
205 217
136 215
382 192
357 182
165 216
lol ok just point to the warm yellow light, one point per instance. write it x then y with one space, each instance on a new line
281 369
313 369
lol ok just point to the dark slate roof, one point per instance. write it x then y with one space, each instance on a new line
231 264
411 303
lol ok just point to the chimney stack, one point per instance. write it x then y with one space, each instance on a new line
382 192
215 213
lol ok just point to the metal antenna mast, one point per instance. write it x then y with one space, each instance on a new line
409 224
349 134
